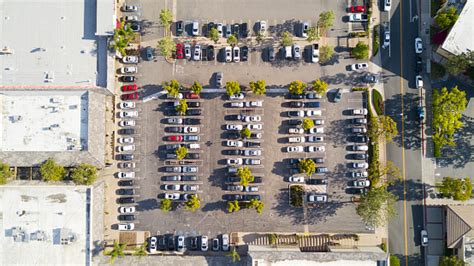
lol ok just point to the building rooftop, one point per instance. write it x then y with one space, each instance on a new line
56 46
461 37
49 224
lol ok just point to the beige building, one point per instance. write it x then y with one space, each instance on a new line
459 231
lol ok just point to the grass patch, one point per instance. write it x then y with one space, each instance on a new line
437 150
437 70
375 40
377 101
360 89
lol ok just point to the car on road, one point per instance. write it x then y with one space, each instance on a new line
360 165
419 82
294 149
424 238
315 148
357 9
315 197
296 179
228 54
187 51
418 45
358 17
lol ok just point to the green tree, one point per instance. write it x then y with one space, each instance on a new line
122 36
232 88
446 18
296 87
214 35
84 174
234 254
166 17
382 127
377 206
245 176
456 188
452 260
5 173
394 260
390 171
165 205
51 171
320 87
196 87
325 53
308 123
141 250
245 133
457 64
312 34
260 36
326 19
307 166
181 152
182 107
447 108
172 87
233 206
193 203
167 47
286 39
258 87
232 40
361 51
257 205
117 251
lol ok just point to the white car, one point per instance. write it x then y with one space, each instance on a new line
315 197
253 104
237 104
316 130
127 123
294 149
316 149
191 130
386 39
236 54
129 114
225 242
359 66
263 26
358 17
295 130
387 5
360 147
130 19
233 143
127 209
296 140
252 118
234 127
296 179
297 52
360 165
361 111
238 96
318 121
220 30
187 51
126 148
130 59
204 245
125 140
233 162
175 120
126 174
172 187
170 96
418 45
313 113
315 139
360 174
424 238
419 82
129 8
126 227
228 54
255 126
315 53
197 52
252 152
361 183
251 188
153 244
172 196
128 70
193 146
304 29
195 28
127 105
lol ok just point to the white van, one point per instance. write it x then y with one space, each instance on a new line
288 52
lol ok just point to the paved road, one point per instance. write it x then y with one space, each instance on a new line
398 62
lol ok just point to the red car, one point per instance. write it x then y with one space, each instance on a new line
192 95
175 138
357 9
130 96
179 51
132 87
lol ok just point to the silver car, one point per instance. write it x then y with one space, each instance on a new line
296 52
187 51
197 53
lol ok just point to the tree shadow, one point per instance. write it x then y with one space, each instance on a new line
321 212
351 79
414 190
460 154
283 207
147 205
339 131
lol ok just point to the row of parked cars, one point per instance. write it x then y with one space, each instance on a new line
179 243
179 183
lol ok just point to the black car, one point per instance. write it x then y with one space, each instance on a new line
161 243
357 190
210 53
125 183
232 135
192 156
359 139
244 53
317 181
252 144
232 197
126 200
179 28
126 191
295 96
126 217
295 122
194 243
192 121
172 146
312 104
127 79
189 178
233 152
149 52
194 104
210 26
371 78
126 131
236 30
173 112
171 242
250 197
294 171
125 157
193 112
173 129
232 179
271 54
257 179
419 65
233 117
318 160
359 156
244 31
296 104
294 161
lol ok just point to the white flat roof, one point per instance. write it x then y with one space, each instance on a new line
461 37
41 213
53 43
43 120
106 18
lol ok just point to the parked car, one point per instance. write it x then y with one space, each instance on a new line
179 51
360 183
228 54
219 77
304 29
128 79
172 196
319 198
129 8
126 217
424 238
197 52
315 53
129 209
419 82
315 148
130 96
126 227
358 130
128 70
295 130
195 28
236 54
360 165
149 53
359 121
130 59
294 149
359 66
204 246
359 174
295 104
316 130
244 53
187 51
359 111
296 52
358 17
252 161
210 53
127 105
357 9
296 179
360 147
299 113
418 45
126 200
179 28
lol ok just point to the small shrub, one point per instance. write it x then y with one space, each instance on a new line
296 196
377 101
394 260
360 89
375 40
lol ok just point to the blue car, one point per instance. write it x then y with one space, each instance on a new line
312 104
